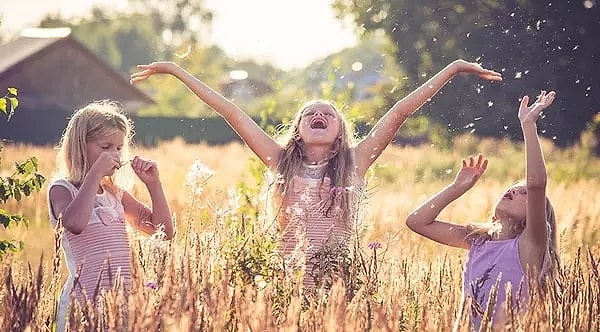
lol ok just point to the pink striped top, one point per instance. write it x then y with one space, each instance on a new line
102 248
310 229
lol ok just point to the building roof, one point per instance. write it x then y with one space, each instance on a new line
34 44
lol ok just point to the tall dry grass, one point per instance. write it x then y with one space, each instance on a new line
220 272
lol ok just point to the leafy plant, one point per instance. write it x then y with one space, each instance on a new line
23 182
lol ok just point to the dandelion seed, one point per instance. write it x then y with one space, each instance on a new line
185 54
517 75
490 103
448 170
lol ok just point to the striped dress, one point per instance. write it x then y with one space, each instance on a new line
315 234
100 254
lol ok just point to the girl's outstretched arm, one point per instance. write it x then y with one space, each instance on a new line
384 131
264 146
423 219
535 234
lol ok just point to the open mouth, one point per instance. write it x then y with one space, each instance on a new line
318 123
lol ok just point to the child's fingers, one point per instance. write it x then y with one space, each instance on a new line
148 165
479 160
464 163
484 166
524 102
471 161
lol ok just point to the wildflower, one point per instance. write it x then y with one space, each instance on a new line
197 176
374 245
151 285
260 281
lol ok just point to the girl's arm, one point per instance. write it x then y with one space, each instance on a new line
384 131
77 211
265 147
423 219
535 234
138 214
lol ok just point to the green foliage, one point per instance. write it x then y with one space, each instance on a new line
530 45
123 40
251 242
23 182
9 103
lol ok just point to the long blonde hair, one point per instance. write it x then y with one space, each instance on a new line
94 121
485 232
340 168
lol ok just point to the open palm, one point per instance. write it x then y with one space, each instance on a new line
532 113
145 71
477 69
470 172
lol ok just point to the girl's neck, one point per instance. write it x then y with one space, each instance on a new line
509 229
314 155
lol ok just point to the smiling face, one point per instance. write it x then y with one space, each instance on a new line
319 124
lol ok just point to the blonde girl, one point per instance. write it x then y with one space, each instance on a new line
320 171
94 210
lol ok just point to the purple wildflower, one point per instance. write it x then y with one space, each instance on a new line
374 245
152 285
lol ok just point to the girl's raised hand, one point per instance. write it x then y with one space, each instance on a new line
146 170
105 164
145 71
532 113
470 172
462 66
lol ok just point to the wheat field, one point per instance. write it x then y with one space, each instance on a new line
221 271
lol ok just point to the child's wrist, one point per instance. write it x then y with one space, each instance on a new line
153 184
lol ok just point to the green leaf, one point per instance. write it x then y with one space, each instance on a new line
12 91
12 246
4 218
14 102
27 167
3 105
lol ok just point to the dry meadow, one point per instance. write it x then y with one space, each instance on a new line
222 272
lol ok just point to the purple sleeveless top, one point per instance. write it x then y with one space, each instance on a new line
486 262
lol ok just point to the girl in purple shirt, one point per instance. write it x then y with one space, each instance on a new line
517 247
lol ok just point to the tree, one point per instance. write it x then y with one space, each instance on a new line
537 45
177 22
23 182
122 39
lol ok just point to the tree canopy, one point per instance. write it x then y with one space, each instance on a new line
536 45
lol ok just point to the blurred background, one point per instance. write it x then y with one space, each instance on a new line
270 56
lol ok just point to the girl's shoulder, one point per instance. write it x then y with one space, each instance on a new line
61 182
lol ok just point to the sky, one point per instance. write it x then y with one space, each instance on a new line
289 34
